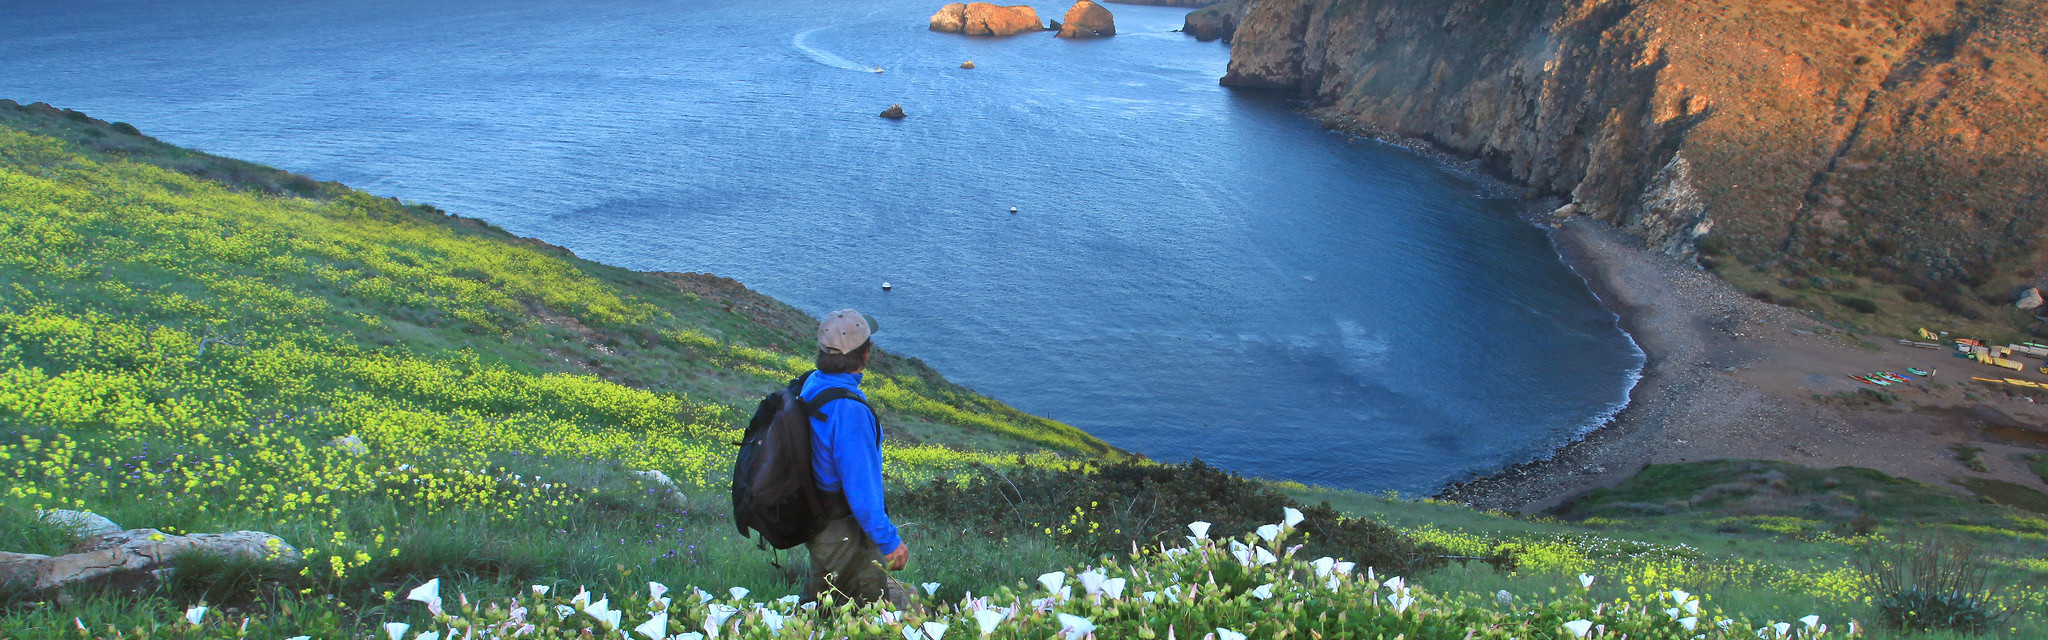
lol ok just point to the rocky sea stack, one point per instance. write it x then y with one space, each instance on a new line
1898 147
984 19
1087 20
894 112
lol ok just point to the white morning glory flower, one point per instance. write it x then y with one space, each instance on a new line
430 635
931 588
1401 601
773 620
1263 592
1226 634
656 589
1396 583
195 614
655 628
1200 528
429 593
1689 622
988 619
1269 532
1811 621
1114 588
911 633
1585 581
396 630
1264 557
1324 566
540 590
1075 626
1091 581
1579 627
1291 516
738 593
563 611
1052 581
935 630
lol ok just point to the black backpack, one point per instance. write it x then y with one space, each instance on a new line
774 491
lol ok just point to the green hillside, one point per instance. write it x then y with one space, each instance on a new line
196 344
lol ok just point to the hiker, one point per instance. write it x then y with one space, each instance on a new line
849 553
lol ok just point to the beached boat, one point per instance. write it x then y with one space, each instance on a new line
1895 376
1916 372
2022 383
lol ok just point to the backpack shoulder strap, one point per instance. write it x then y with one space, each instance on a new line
816 405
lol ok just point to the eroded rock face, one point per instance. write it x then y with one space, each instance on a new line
1904 141
2029 299
950 18
1087 20
138 550
1216 21
984 19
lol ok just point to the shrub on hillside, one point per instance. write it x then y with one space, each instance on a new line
1108 508
1933 583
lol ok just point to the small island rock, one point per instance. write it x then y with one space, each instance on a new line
967 65
1088 20
950 18
984 19
894 112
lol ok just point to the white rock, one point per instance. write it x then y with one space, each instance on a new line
349 444
2029 299
84 524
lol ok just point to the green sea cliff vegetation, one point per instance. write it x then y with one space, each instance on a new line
452 429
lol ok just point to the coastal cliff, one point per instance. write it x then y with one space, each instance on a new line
1885 144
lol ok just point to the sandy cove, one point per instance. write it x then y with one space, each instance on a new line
1731 377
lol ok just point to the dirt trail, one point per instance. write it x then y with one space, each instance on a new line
1731 377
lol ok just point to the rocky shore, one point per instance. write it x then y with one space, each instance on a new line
1731 377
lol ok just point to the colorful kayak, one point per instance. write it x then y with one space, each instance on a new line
1896 376
1916 372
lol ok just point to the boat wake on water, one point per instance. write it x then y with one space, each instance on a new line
826 57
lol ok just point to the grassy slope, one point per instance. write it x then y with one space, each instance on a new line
503 387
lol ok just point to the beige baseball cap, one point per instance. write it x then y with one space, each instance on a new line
844 330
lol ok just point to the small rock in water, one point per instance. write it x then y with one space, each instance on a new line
967 65
894 112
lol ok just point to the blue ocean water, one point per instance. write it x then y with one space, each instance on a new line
1193 271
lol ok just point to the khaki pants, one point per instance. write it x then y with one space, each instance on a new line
848 565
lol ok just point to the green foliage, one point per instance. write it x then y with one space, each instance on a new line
1936 582
1105 508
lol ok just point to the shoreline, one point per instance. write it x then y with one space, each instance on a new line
1607 454
1730 377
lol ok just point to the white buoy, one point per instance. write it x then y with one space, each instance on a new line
885 286
1013 209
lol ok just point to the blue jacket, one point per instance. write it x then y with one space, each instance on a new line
846 455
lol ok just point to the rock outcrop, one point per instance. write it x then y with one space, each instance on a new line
1087 20
1901 143
967 65
82 524
894 112
136 551
951 18
984 19
1216 22
2029 299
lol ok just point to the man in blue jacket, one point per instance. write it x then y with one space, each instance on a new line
849 554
